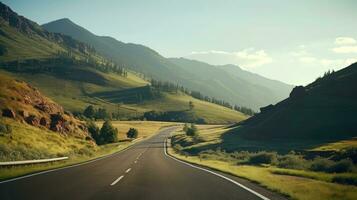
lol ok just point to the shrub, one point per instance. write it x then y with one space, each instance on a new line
292 161
263 157
132 133
348 180
108 133
321 164
344 165
89 112
192 131
5 129
94 132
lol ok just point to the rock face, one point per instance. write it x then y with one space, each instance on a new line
43 122
32 107
33 120
7 112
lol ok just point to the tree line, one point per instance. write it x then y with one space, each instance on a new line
167 86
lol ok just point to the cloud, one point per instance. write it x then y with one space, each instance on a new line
246 58
345 41
345 49
307 59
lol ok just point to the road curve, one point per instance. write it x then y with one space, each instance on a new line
143 171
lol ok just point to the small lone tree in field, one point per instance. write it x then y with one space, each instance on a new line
192 131
132 133
108 133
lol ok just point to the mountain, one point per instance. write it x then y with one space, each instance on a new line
74 75
223 82
231 83
325 109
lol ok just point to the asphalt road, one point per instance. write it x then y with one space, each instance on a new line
143 171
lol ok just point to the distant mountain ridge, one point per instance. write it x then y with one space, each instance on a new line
230 84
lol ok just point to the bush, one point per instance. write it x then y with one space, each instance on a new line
263 158
348 180
344 165
94 132
5 129
132 133
192 131
292 161
321 164
108 134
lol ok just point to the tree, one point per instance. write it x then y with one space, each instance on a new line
191 105
192 131
94 132
132 133
102 114
89 112
108 133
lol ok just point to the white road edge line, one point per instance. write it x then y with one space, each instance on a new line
214 173
128 170
117 180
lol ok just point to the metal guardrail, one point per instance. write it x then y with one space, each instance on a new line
26 162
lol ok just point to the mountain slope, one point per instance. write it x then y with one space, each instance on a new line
236 86
232 83
325 109
75 76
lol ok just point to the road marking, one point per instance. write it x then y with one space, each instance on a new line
117 180
83 163
128 170
214 173
135 161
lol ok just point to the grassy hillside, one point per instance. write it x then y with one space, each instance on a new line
29 142
325 109
223 82
122 96
75 76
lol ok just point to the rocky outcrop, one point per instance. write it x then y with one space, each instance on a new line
7 112
44 122
28 105
33 120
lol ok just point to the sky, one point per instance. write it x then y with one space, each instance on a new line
291 41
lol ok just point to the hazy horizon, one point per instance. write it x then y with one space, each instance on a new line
310 38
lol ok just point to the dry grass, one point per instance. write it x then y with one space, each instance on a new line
292 186
28 142
145 128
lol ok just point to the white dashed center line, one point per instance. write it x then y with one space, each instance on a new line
128 170
116 181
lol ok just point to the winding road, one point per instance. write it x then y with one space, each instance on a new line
143 171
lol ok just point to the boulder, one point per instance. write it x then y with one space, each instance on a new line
23 113
43 107
44 122
7 112
33 120
57 122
